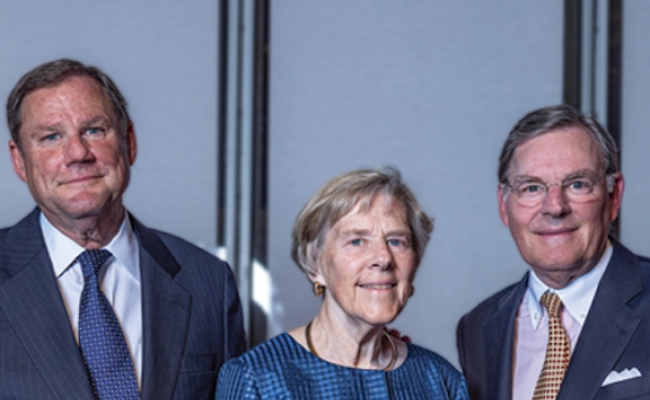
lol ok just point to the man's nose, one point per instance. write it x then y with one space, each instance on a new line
77 149
555 202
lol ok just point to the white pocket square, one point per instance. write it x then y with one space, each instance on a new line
624 375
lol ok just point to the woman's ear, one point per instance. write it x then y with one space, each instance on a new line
318 283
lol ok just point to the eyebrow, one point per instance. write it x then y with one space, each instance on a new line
399 232
350 232
84 124
365 232
583 172
97 120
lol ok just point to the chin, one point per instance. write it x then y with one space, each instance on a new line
381 318
84 210
557 264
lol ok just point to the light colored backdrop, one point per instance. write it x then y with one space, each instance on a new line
163 56
432 88
635 146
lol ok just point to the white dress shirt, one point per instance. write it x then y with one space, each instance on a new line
532 322
119 277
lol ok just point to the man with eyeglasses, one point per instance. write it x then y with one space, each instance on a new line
577 326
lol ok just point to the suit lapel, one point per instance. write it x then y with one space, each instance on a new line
166 308
499 336
608 328
31 301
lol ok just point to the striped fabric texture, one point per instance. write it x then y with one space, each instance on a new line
282 369
558 351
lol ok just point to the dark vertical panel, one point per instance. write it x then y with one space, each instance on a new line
614 69
222 97
614 78
259 211
572 52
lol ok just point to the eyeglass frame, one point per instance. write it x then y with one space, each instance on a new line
609 179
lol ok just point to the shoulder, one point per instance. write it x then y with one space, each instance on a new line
26 227
19 244
438 371
191 258
184 250
510 296
261 369
272 354
644 264
425 358
623 260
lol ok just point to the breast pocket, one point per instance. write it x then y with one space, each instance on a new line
635 388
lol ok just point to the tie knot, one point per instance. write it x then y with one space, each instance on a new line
92 260
552 303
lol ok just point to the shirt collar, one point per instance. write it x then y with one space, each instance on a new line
576 297
64 251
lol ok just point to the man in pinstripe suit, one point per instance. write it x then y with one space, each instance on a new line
73 143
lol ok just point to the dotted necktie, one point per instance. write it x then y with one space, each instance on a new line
558 351
100 336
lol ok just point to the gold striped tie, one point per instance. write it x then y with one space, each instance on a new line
558 351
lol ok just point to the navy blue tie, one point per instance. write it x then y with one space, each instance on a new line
100 336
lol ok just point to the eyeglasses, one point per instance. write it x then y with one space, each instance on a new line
578 189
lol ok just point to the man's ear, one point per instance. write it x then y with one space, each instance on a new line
503 206
131 143
17 161
616 196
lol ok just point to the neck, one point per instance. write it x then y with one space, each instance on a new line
90 232
342 340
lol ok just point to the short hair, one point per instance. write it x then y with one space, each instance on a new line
544 120
340 196
53 73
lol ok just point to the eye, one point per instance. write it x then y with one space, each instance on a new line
529 189
396 242
356 242
51 137
93 131
580 186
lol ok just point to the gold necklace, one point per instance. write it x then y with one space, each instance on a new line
393 348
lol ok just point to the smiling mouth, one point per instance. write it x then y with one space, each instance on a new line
385 286
554 232
80 180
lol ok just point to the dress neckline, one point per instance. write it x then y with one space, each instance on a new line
309 354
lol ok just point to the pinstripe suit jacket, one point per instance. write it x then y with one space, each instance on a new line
192 319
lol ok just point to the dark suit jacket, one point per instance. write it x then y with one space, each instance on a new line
615 336
192 320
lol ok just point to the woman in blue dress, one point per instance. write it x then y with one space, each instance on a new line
359 240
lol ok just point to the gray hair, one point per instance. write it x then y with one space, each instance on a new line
339 196
53 73
544 120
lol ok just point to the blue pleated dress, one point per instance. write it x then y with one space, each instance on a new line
282 369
